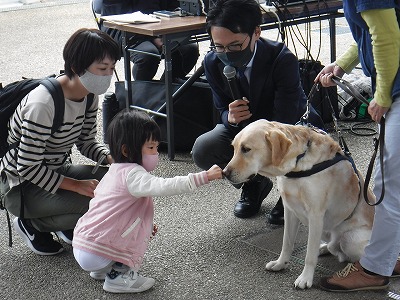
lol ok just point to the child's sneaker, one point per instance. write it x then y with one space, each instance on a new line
66 235
41 243
98 275
129 282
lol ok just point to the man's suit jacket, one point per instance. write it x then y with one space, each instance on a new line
275 91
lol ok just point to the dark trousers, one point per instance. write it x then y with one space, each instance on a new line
52 212
145 66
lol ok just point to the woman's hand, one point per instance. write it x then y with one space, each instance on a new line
376 111
214 172
83 187
239 111
325 75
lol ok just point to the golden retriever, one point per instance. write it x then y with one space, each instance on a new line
330 202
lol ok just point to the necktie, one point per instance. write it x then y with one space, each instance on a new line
244 84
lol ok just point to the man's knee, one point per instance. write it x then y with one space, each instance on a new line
201 153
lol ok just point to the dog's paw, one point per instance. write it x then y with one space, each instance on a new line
276 265
303 282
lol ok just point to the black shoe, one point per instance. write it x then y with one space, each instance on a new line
253 194
66 235
41 243
275 217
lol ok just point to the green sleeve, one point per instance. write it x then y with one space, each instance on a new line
385 35
349 60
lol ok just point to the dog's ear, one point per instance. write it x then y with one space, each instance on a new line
279 145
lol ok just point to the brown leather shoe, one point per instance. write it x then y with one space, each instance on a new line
353 278
396 270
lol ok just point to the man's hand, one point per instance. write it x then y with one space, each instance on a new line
239 111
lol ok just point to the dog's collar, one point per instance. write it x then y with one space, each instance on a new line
318 167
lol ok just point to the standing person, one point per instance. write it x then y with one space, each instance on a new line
145 65
375 29
54 192
271 90
110 240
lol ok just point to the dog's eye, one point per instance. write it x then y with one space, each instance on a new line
245 149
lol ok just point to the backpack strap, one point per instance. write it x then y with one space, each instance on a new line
55 89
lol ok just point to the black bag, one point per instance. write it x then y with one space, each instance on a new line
196 7
194 112
322 99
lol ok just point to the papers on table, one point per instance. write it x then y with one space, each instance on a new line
134 18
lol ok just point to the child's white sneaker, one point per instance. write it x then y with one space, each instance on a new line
98 275
129 282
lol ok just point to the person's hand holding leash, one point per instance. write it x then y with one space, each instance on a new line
376 111
325 75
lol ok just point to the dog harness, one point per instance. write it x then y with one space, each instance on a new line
321 166
324 165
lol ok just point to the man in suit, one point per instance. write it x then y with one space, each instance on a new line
269 81
184 56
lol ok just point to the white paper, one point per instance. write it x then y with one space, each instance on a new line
136 18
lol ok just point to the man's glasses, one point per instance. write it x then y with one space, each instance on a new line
230 48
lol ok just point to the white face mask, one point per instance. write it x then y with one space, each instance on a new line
149 161
96 84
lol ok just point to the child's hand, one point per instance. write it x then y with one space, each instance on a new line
214 172
155 229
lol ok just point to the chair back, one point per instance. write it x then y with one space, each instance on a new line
95 6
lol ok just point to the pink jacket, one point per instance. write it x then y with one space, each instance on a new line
119 221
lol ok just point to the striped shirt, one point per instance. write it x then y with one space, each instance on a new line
41 153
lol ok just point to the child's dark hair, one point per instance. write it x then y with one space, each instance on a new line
86 46
131 128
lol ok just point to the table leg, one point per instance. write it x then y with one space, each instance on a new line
332 33
168 96
127 69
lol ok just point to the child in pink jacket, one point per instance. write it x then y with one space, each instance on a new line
111 238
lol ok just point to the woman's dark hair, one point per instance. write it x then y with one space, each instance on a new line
131 128
239 16
86 46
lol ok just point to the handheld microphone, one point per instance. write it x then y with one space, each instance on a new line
230 74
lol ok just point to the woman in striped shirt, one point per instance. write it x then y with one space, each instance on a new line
48 193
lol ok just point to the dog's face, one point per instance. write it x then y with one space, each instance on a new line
258 149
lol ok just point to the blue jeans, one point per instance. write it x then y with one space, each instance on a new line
384 246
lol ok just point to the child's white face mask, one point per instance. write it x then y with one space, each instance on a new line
149 161
96 84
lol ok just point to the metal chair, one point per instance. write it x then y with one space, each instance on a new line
95 6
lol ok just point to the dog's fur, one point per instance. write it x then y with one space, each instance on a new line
329 202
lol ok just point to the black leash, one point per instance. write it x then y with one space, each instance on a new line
378 142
